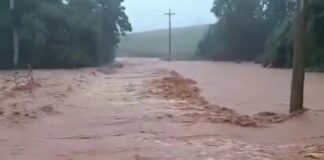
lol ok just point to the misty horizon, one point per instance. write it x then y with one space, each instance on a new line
147 15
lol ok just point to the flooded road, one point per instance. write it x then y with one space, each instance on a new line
104 113
248 88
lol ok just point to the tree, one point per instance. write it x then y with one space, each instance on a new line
6 36
279 46
239 34
297 86
65 34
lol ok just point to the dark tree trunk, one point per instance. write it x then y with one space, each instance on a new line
298 78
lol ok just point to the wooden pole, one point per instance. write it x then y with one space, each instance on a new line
300 50
170 14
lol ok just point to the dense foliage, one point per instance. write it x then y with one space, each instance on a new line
261 30
5 36
241 30
62 33
280 44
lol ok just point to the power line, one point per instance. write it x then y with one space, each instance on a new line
170 14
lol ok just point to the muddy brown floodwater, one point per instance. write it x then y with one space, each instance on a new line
119 113
248 89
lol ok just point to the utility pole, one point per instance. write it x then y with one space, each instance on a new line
15 37
170 14
300 50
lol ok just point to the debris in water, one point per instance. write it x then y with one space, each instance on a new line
24 82
315 155
48 110
175 87
138 157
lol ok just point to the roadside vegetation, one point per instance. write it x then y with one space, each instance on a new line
262 31
62 34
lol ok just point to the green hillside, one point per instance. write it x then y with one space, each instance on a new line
155 43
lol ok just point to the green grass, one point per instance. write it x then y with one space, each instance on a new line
155 43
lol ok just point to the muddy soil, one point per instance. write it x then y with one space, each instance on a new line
104 113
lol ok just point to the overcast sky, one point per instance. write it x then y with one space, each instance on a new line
148 15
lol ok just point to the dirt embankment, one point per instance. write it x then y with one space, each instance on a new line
175 87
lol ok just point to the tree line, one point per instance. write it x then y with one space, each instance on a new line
61 33
262 31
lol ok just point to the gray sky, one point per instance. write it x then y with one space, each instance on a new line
149 14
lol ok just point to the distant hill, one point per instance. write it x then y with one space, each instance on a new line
155 43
